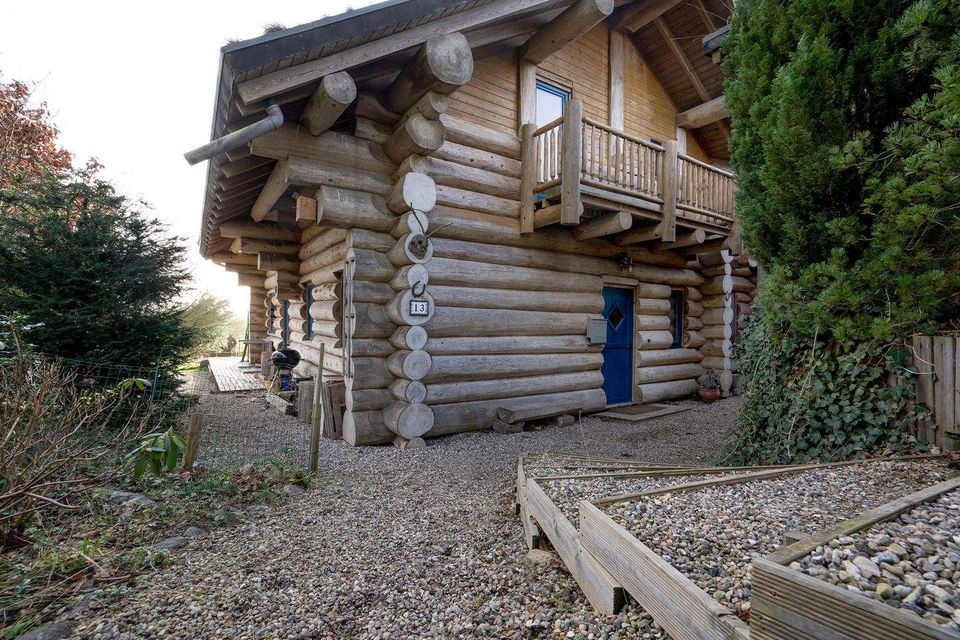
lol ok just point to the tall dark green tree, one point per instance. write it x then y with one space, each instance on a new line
102 276
845 141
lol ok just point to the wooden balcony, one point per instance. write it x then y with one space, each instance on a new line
604 182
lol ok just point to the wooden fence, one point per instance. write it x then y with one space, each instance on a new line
937 362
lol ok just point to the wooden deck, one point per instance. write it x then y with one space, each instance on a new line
230 376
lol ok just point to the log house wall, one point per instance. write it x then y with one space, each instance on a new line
510 310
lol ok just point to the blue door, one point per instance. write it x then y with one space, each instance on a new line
618 352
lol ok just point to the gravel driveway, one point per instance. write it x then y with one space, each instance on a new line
402 544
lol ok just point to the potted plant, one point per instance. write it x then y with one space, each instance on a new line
709 386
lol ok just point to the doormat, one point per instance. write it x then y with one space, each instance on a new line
641 412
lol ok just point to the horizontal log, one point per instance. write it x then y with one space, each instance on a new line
480 202
524 344
345 209
484 298
410 420
669 373
652 306
490 367
478 158
649 290
317 172
651 323
667 357
512 410
292 140
481 137
693 340
446 271
654 340
465 322
371 373
468 178
259 231
370 321
325 240
469 391
659 391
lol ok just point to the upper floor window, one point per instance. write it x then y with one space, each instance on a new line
550 101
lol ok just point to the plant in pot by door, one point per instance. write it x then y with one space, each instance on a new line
709 386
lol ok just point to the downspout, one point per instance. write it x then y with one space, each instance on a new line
240 137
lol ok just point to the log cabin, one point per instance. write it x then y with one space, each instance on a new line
478 205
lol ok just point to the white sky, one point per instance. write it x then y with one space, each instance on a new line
132 83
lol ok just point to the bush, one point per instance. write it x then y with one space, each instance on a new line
56 440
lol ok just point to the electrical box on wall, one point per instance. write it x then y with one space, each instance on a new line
596 331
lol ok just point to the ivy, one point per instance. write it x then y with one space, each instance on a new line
821 403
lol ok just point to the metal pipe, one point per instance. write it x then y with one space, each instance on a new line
240 137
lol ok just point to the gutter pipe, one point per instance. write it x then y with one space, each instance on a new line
240 137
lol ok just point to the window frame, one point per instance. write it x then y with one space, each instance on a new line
272 317
309 302
285 324
677 305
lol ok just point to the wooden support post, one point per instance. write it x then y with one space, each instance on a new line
570 163
193 441
618 43
528 177
316 417
668 229
328 102
528 93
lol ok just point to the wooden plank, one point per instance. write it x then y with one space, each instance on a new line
788 604
787 554
684 611
271 192
296 76
531 532
944 365
923 361
640 14
602 590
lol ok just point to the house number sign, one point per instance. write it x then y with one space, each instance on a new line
419 307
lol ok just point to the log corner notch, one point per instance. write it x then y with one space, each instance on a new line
574 22
442 65
336 92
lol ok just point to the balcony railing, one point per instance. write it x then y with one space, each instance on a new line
658 178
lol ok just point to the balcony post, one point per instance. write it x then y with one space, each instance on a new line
570 163
669 192
528 177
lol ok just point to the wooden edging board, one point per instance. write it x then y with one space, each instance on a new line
655 472
750 477
531 532
683 610
789 605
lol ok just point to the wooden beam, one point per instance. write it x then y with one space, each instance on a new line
712 41
307 210
248 245
262 231
644 233
703 114
640 14
528 178
618 43
232 258
303 74
335 93
705 15
579 18
603 225
443 64
570 156
685 239
682 59
669 189
272 191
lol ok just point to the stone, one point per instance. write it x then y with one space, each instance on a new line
51 631
172 544
293 490
884 591
196 533
868 568
128 498
539 557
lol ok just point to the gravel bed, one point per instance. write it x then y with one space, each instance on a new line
395 544
911 563
567 494
711 535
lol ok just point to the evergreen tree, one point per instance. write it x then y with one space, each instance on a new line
845 141
102 277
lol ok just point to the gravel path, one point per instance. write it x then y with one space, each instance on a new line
412 544
711 535
912 563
